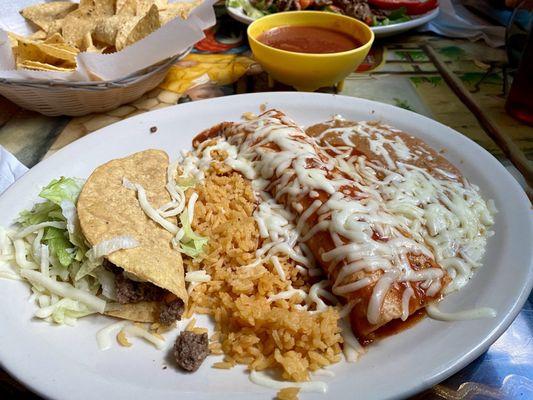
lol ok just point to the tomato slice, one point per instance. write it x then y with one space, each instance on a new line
304 3
412 7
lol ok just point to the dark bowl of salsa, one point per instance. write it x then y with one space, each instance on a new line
309 49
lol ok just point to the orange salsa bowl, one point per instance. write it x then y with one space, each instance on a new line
310 71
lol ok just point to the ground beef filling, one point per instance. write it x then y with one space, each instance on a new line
171 311
130 291
190 350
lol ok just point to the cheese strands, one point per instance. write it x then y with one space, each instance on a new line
376 264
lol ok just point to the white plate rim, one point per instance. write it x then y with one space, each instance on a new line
238 14
19 371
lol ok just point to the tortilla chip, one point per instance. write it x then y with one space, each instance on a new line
97 8
121 3
43 15
87 42
53 54
162 4
55 39
66 28
61 45
39 66
105 7
28 51
38 35
59 41
138 8
55 27
175 10
126 8
75 28
78 23
107 209
138 28
106 29
143 6
13 39
61 51
145 311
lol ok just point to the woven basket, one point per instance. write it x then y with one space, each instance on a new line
80 98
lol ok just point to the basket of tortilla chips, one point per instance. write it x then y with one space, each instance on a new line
93 56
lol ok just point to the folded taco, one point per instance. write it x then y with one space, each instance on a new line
149 278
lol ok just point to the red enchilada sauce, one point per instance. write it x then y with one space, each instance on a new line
308 39
393 327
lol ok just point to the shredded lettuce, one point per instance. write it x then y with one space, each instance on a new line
249 10
191 243
67 244
49 251
62 189
65 311
394 17
68 209
59 245
185 239
41 212
186 182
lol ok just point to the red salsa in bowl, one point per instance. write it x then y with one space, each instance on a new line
308 39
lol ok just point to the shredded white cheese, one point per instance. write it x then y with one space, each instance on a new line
136 331
107 247
476 313
34 228
148 209
260 378
105 336
64 289
197 276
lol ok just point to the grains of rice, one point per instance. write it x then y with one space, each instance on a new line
190 311
222 365
165 328
190 325
290 393
157 329
215 348
250 329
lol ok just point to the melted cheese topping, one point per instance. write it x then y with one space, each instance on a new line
448 215
281 237
374 222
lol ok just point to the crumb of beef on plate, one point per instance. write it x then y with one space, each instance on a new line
190 350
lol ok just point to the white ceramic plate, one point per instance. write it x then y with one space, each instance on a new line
65 363
379 31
